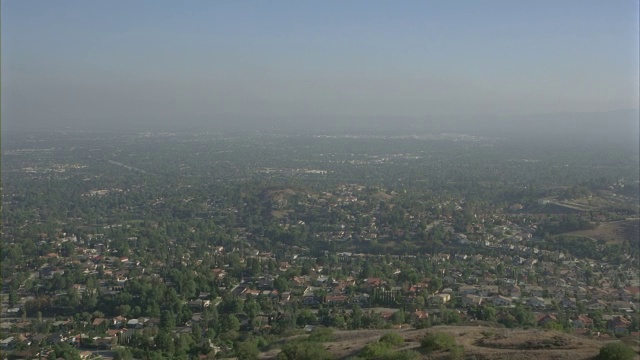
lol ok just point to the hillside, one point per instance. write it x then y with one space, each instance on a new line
613 232
479 342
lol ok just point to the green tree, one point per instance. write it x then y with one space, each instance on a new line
435 284
338 321
251 308
64 351
164 342
303 350
500 269
183 345
616 351
167 321
230 323
246 350
356 318
488 313
306 317
13 297
281 284
398 317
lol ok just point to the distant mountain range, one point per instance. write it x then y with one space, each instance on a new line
618 125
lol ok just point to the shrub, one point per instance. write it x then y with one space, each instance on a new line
438 341
321 335
304 350
616 351
375 350
488 333
383 351
392 339
456 352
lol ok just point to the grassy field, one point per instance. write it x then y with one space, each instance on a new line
614 232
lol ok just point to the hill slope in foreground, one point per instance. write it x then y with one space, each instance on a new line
479 343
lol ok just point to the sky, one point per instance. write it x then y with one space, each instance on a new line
85 63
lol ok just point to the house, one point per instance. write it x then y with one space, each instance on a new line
199 304
361 299
623 306
448 280
619 325
218 249
569 302
581 292
500 300
115 332
57 337
582 321
298 281
265 284
251 292
514 291
472 300
59 323
547 318
118 321
309 328
134 323
440 299
598 293
559 294
488 290
634 292
309 298
597 305
336 299
273 294
7 343
373 282
536 302
467 289
419 315
218 274
285 297
386 315
535 291
37 339
98 321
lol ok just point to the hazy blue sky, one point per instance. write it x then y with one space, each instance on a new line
66 62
